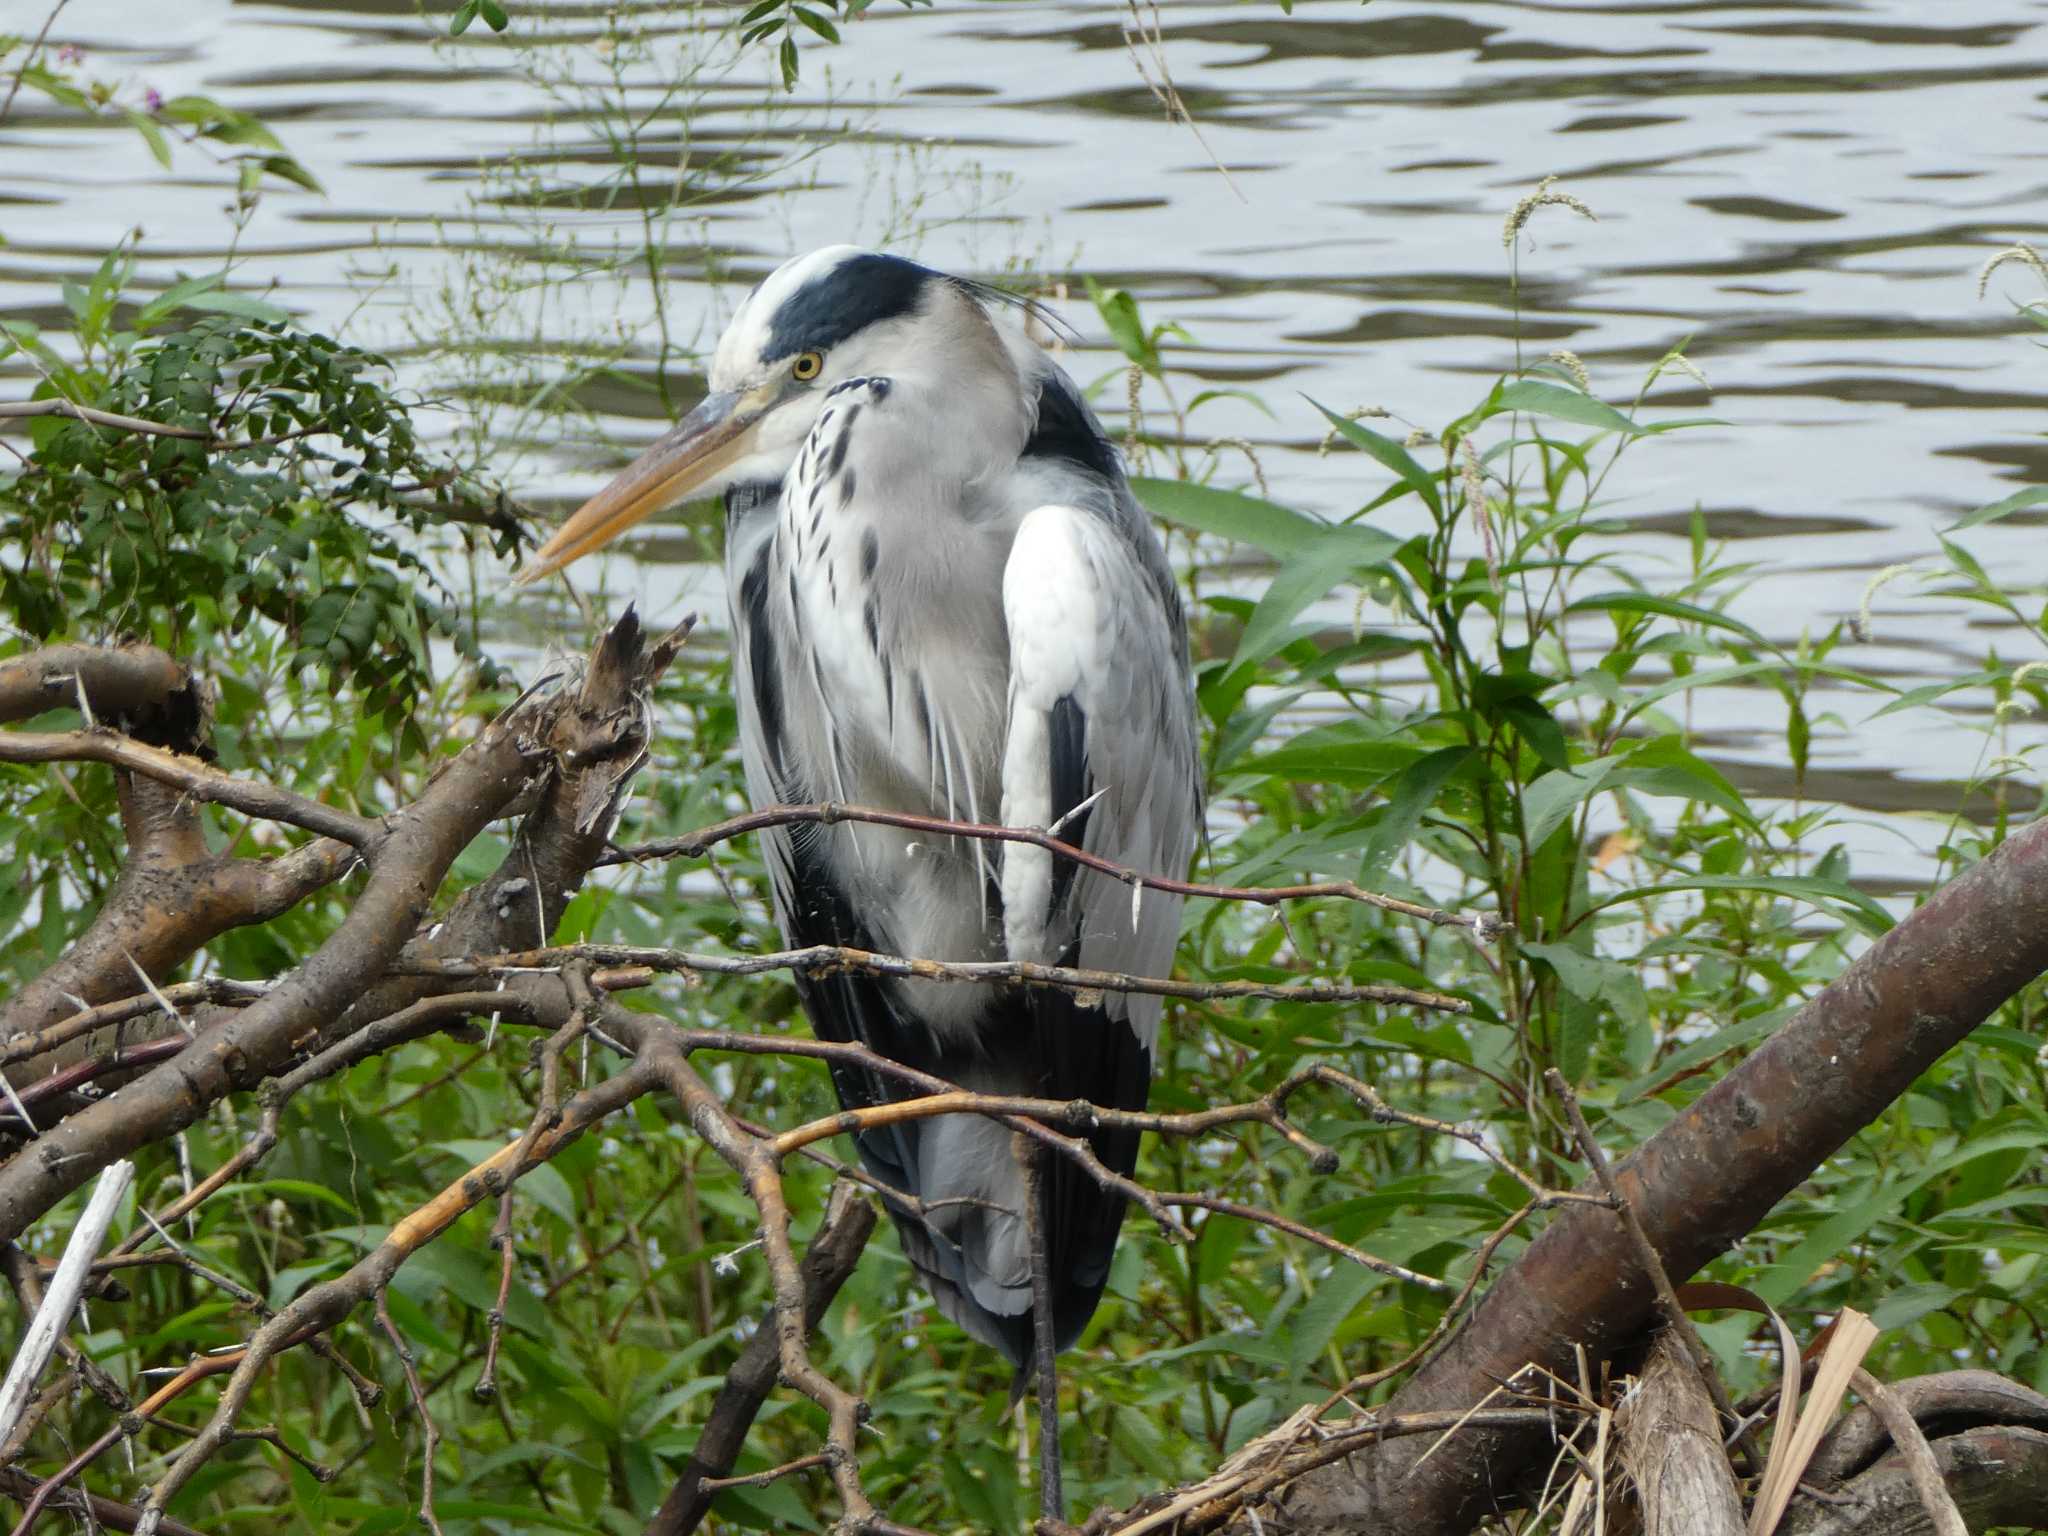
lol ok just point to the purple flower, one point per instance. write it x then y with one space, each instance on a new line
70 53
153 99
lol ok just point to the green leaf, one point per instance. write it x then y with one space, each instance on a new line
1689 1056
817 23
2032 496
248 306
301 1189
1552 798
1119 311
511 1517
1862 910
1910 1303
1307 575
1318 1319
1229 514
1778 1283
152 135
1595 979
1663 766
285 168
1389 453
464 15
1561 404
1928 693
471 1277
1667 607
1354 752
1536 726
1413 793
175 297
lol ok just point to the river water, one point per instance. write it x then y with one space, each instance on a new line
1807 191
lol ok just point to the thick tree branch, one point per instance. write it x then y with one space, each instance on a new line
172 896
1702 1183
189 776
1671 1446
407 863
117 682
1996 1474
1944 1402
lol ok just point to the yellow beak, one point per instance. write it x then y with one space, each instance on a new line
717 433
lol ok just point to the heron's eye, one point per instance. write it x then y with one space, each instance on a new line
807 367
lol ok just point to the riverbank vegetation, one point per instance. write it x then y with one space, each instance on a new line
1459 708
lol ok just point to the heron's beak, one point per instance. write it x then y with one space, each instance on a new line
717 433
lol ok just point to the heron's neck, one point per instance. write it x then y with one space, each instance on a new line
749 497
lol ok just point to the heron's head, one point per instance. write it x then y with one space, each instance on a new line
836 314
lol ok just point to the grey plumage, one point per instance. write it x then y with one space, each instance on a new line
945 600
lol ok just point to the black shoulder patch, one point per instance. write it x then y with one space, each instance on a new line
1072 782
745 499
1066 430
847 299
762 664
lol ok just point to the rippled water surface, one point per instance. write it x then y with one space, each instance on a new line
1805 190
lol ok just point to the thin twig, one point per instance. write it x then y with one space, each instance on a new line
428 1427
1674 1314
15 410
839 959
694 845
29 58
212 989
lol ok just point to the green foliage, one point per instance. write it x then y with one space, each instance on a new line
288 545
1503 726
767 20
1470 691
762 23
290 506
492 14
235 138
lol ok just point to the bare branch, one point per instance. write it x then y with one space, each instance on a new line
190 776
1921 1467
830 1261
60 1299
430 1431
831 959
16 410
406 865
119 681
694 845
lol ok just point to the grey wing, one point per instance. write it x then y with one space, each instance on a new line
1100 732
1099 706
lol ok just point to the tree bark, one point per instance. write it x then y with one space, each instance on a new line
1699 1185
1997 1475
172 896
585 744
1671 1445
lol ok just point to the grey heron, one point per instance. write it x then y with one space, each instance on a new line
946 600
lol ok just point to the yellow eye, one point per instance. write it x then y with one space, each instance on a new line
807 367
